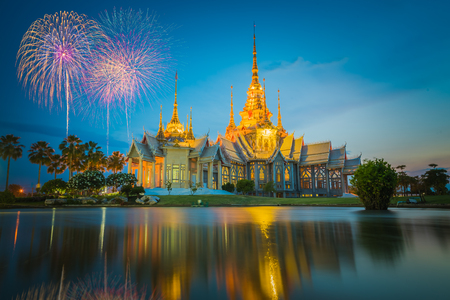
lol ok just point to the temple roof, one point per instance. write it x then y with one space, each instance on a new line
231 150
153 143
297 151
351 165
337 158
286 147
200 143
314 154
142 150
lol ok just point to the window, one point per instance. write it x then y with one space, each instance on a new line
335 179
233 175
169 172
287 173
183 173
240 172
320 177
262 173
176 173
252 172
305 178
225 175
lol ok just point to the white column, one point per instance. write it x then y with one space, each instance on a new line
140 172
163 175
219 175
130 162
210 175
152 176
327 173
199 173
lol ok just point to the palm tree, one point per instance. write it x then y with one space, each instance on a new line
71 149
93 156
116 162
10 148
39 154
57 164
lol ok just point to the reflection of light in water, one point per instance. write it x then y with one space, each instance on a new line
102 230
53 225
17 229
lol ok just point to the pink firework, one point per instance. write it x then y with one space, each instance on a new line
130 63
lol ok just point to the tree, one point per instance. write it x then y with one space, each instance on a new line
436 179
375 182
90 181
269 187
120 179
116 162
402 178
194 187
94 158
71 149
56 165
10 148
229 187
40 154
16 189
169 186
245 186
55 186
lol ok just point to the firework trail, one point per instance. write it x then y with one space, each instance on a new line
129 63
53 56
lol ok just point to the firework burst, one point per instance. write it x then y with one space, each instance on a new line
54 54
129 63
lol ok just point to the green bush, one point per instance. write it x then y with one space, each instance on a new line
269 187
90 181
55 186
137 190
7 197
229 187
375 182
120 179
126 189
245 186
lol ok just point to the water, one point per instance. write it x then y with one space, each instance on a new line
234 253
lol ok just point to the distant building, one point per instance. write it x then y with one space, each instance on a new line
256 149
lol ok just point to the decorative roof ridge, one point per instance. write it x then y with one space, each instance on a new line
274 155
354 157
340 147
318 143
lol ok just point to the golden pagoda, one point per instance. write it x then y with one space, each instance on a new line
174 130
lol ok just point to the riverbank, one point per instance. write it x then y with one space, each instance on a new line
240 200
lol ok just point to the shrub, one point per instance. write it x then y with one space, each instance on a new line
194 187
245 186
7 197
375 182
126 189
229 187
55 186
269 187
137 190
90 181
120 179
169 186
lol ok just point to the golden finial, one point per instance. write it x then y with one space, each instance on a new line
255 65
160 134
231 125
264 99
279 125
190 134
175 105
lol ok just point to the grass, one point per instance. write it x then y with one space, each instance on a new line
227 200
219 200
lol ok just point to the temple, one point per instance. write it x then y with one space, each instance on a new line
256 149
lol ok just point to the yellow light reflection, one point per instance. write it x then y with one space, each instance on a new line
102 230
53 225
17 229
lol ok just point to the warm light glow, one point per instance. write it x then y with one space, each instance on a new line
17 229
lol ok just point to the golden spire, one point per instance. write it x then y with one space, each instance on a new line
175 105
231 125
160 134
186 129
264 98
190 134
255 65
279 125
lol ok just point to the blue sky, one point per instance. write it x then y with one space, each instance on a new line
372 74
